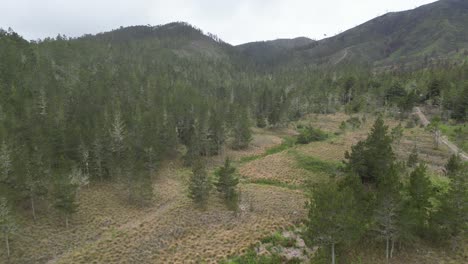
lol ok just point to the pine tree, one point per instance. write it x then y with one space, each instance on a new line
413 158
216 133
452 218
454 164
34 186
64 195
97 159
372 158
333 216
78 178
387 213
200 185
227 182
7 223
5 162
397 133
242 134
418 206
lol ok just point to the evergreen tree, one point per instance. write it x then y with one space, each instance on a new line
387 216
200 185
5 163
454 164
419 205
413 158
452 217
372 158
333 216
97 159
7 223
241 131
227 182
64 198
397 133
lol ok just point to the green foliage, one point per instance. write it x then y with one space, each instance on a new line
310 134
251 257
413 158
287 143
457 134
64 197
200 185
418 206
372 158
7 223
227 182
333 216
450 220
241 131
316 165
352 122
397 133
277 239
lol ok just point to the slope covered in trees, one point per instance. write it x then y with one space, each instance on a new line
113 107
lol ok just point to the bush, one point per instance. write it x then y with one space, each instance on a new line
309 134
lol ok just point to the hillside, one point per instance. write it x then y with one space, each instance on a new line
272 52
164 144
433 31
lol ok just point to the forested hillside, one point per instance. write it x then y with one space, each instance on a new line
113 108
431 34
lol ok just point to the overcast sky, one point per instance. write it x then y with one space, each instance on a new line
234 21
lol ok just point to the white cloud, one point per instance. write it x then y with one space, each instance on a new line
234 21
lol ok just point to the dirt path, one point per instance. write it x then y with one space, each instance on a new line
425 122
345 54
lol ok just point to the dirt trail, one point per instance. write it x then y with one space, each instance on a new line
345 54
425 122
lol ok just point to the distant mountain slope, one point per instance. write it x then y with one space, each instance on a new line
180 37
437 30
274 51
431 30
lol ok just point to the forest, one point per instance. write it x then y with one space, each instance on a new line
114 107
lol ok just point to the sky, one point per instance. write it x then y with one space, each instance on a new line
234 21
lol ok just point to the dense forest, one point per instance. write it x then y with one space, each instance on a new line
111 107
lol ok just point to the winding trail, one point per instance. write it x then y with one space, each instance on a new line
345 54
425 122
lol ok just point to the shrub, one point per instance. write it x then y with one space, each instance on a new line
309 134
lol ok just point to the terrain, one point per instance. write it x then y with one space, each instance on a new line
107 230
412 38
100 135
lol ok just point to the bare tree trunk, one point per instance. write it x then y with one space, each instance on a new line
7 244
33 208
391 250
66 221
333 253
387 249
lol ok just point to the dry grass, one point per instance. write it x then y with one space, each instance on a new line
184 234
107 230
279 167
424 142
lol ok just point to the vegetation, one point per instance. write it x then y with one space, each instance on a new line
375 197
309 134
226 183
78 115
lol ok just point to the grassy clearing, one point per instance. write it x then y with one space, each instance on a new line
276 183
314 164
458 134
287 143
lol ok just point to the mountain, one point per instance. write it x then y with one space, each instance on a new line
181 38
436 30
274 51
